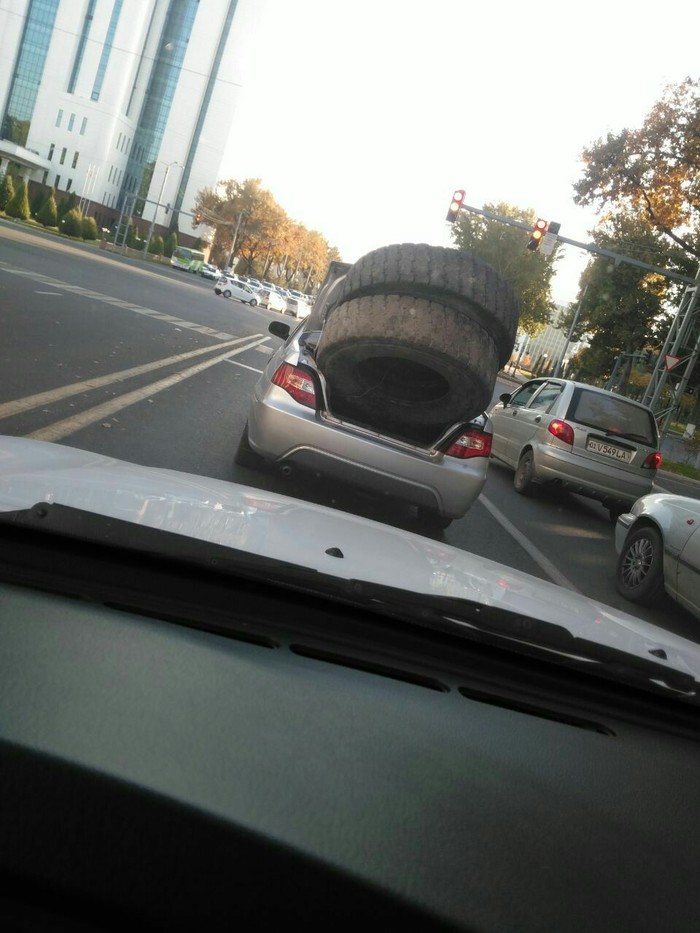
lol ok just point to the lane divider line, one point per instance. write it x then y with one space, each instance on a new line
243 366
543 562
61 429
8 409
120 303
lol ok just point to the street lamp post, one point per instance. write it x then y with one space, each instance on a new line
235 237
155 209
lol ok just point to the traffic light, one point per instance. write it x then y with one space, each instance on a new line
539 228
198 217
455 205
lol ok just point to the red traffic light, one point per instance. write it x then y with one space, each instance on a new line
539 228
198 218
455 205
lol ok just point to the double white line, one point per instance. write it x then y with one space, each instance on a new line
61 429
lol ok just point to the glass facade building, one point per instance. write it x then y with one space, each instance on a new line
28 70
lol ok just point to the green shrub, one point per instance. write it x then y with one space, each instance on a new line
156 246
72 223
18 206
89 228
7 191
170 244
67 203
47 214
37 203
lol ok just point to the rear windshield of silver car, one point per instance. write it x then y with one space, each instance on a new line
613 415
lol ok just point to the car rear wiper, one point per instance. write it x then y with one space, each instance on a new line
630 437
114 541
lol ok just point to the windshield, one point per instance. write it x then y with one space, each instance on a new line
450 232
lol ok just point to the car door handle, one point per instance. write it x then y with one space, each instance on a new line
538 418
514 412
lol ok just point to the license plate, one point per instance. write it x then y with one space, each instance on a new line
609 450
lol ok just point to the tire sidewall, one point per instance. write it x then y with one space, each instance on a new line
651 587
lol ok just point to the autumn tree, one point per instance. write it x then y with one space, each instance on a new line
653 171
622 305
505 248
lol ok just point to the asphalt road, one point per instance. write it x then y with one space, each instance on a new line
144 363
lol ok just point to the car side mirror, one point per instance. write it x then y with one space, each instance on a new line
279 329
505 398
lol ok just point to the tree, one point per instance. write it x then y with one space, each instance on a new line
37 202
653 171
72 223
155 247
505 248
7 190
47 214
170 244
89 228
18 205
622 306
67 203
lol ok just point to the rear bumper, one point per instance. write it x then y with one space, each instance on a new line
286 433
587 478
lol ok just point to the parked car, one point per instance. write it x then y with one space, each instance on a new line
659 551
232 288
209 272
297 307
291 426
585 439
272 300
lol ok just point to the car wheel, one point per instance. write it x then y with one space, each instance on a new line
227 293
639 575
253 302
523 481
245 456
431 520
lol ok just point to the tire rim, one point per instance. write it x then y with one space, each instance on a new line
637 562
524 470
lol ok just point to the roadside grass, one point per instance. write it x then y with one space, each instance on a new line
683 469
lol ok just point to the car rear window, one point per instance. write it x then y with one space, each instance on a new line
613 414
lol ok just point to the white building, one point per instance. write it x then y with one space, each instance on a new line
547 347
127 103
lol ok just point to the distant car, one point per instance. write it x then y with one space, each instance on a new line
209 272
659 550
297 307
255 283
577 436
232 288
272 300
291 427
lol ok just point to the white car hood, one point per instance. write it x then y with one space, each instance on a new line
302 533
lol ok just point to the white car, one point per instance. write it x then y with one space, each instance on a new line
298 307
271 299
232 288
659 550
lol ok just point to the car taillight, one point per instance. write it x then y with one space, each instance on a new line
652 461
562 431
297 383
473 443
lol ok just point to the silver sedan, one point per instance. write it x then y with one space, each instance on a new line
291 426
658 548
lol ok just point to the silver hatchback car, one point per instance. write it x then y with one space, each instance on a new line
578 436
291 426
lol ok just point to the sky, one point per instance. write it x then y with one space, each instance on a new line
362 117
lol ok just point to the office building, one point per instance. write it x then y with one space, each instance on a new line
127 103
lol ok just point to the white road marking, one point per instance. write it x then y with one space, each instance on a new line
243 365
60 429
543 562
267 350
119 303
8 409
58 294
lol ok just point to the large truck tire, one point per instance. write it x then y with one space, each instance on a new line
405 365
453 278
